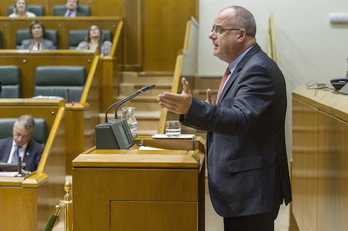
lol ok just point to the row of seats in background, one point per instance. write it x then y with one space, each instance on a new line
75 37
38 10
65 81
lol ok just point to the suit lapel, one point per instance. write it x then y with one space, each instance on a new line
7 150
256 48
27 151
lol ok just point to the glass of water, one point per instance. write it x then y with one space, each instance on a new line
128 114
173 128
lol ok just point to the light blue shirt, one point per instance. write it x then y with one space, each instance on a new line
232 66
73 13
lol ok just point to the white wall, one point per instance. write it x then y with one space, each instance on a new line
309 47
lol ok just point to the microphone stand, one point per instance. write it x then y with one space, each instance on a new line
20 174
116 134
119 103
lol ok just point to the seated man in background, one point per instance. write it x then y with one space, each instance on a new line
71 10
95 40
21 145
20 9
38 42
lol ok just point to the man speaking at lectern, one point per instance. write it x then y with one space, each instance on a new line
248 172
21 145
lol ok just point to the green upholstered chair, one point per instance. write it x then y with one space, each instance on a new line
84 9
62 81
77 36
40 133
38 10
23 34
10 78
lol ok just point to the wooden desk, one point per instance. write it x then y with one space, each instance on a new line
320 166
114 7
141 189
26 202
63 25
28 61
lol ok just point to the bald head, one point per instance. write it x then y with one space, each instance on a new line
239 17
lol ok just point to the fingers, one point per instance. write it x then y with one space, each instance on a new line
170 101
209 98
186 87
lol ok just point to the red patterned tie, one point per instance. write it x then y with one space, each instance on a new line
223 80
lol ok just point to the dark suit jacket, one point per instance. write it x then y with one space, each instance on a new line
247 161
62 13
32 154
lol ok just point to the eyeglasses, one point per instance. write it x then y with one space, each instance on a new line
218 30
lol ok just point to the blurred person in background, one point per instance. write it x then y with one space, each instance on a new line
38 42
95 40
20 9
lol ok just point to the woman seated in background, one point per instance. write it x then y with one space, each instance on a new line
95 40
20 9
37 30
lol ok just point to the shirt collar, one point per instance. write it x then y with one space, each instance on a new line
232 66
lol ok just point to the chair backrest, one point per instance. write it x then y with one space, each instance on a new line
23 34
40 134
83 9
38 10
77 36
10 79
62 81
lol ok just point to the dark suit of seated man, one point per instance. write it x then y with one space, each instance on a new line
71 10
28 149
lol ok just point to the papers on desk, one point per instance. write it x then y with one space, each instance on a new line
150 148
47 97
8 173
181 136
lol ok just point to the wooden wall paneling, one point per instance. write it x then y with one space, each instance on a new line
133 33
304 165
5 28
104 7
164 31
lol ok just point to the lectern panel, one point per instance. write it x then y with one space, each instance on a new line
154 216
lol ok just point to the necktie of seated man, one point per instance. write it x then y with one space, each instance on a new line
69 14
223 80
16 154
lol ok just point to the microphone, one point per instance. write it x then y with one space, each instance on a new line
19 174
116 133
119 103
38 46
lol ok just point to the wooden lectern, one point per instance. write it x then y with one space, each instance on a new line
141 189
320 166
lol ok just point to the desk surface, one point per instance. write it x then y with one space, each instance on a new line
185 156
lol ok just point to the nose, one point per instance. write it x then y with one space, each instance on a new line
212 35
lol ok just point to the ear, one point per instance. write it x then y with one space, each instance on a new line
241 34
